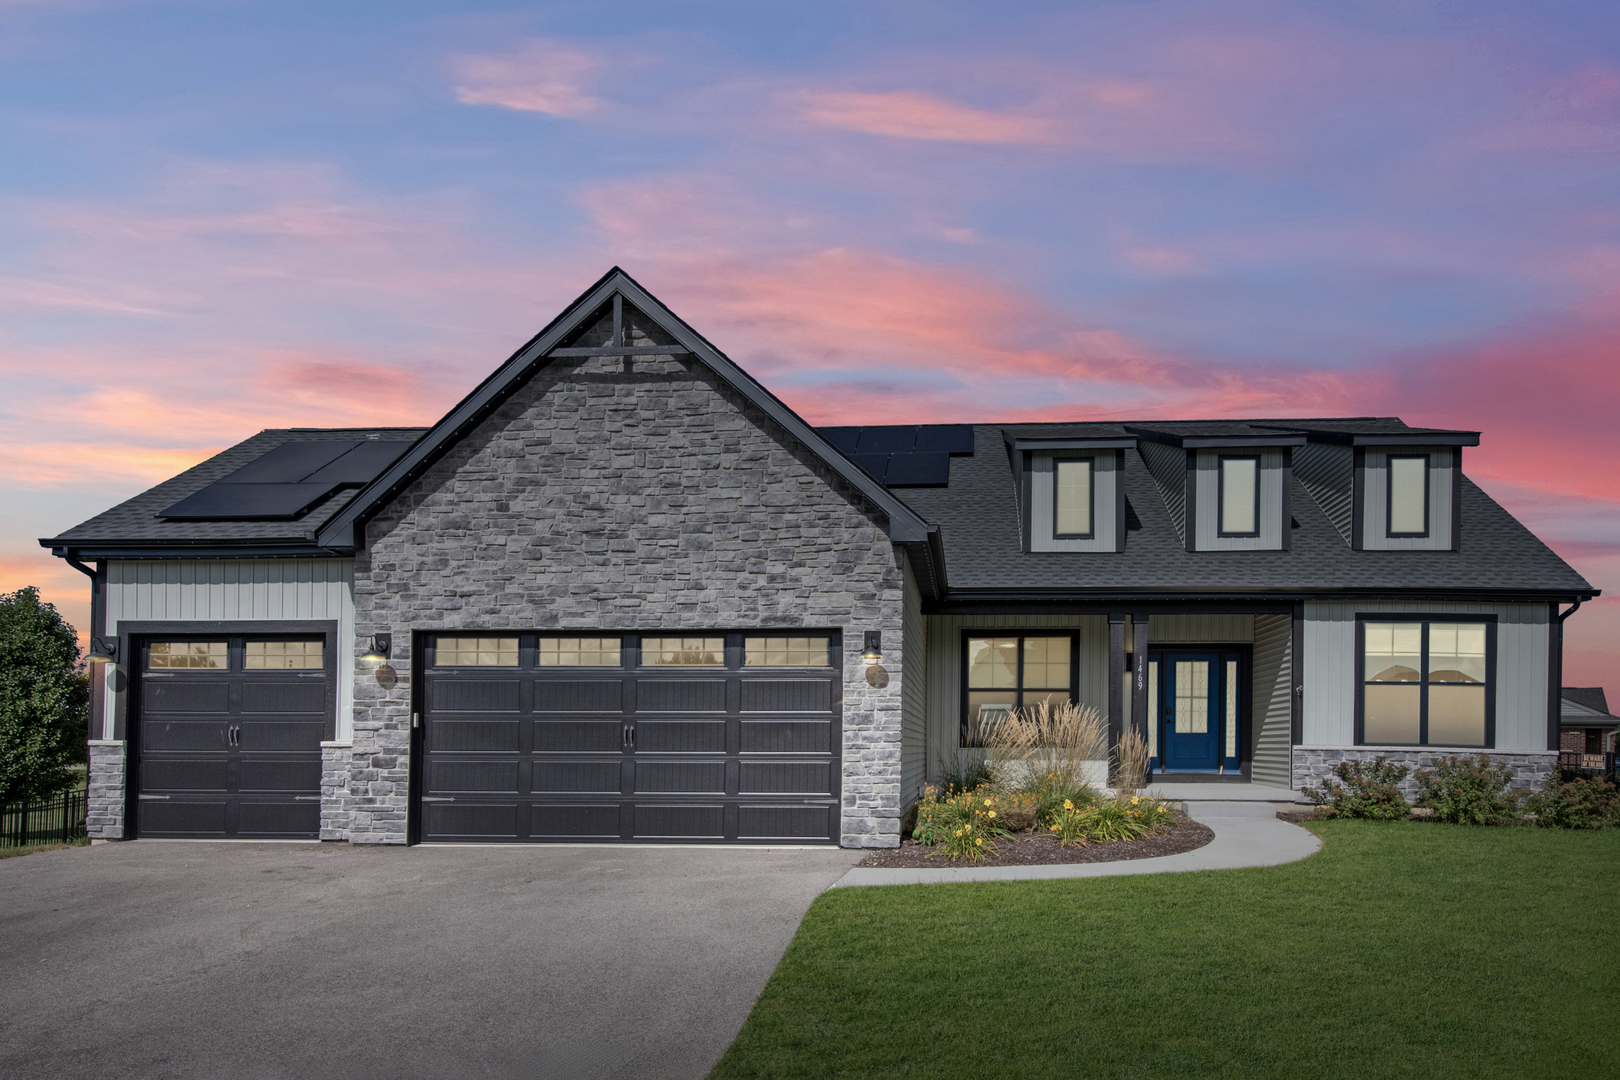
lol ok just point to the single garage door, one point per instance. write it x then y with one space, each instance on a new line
712 738
228 736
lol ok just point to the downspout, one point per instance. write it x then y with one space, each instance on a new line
95 725
1555 679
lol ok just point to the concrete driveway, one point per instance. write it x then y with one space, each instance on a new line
158 959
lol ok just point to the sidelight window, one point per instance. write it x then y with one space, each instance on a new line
1240 496
1426 683
1006 672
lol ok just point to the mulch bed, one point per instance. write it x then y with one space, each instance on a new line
1037 849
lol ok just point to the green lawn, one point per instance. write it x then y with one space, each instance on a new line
1400 950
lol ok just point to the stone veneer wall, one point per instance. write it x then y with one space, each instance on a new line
1314 763
637 494
336 776
105 799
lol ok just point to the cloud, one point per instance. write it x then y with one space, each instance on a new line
904 114
541 76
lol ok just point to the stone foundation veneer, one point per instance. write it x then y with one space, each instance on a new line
1314 763
638 495
335 802
107 793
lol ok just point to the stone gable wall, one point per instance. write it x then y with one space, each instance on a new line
630 494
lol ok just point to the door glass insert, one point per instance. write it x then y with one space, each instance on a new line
1231 708
683 652
1192 697
785 652
284 655
476 652
188 656
578 652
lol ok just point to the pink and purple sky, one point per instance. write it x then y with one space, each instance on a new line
218 216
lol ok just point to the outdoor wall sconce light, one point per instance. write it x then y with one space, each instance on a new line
103 651
874 647
381 646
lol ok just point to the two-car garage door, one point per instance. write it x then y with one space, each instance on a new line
706 738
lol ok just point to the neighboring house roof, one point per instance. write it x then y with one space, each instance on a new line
965 514
1585 706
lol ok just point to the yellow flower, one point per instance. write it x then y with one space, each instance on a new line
1135 799
978 841
987 802
991 814
1068 804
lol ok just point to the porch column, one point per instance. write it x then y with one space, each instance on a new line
1116 678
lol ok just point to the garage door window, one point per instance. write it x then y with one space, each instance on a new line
786 652
578 652
189 656
283 655
683 652
476 652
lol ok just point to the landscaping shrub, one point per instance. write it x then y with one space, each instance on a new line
1469 790
1113 819
1363 790
963 772
1586 803
1046 744
1130 762
946 818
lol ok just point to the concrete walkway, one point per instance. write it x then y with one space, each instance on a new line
1246 834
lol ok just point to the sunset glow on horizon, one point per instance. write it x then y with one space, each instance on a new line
225 217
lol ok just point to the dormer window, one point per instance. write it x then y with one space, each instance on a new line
1073 497
1239 495
1408 495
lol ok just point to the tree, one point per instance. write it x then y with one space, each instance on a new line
44 697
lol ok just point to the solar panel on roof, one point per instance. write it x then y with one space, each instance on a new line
888 440
945 439
233 502
875 464
844 438
361 465
918 470
290 462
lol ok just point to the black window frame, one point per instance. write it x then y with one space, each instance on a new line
630 648
1490 621
1220 494
965 727
1091 511
1389 497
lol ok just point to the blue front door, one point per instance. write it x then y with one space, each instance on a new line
1192 705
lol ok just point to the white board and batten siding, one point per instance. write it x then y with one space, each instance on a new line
1375 510
232 590
1330 669
913 691
944 701
1208 503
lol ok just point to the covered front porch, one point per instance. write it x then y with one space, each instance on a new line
1210 691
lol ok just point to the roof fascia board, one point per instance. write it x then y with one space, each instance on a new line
1205 442
215 550
1127 596
1388 438
344 532
1100 443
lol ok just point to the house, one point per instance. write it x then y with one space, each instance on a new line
621 592
1588 729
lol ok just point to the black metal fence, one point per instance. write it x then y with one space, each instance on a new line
1573 764
54 819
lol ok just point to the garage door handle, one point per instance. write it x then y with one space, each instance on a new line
437 798
151 797
306 798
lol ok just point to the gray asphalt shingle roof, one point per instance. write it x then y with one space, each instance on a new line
135 522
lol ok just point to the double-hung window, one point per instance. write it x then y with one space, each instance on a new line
1240 496
1426 682
1003 672
1408 495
